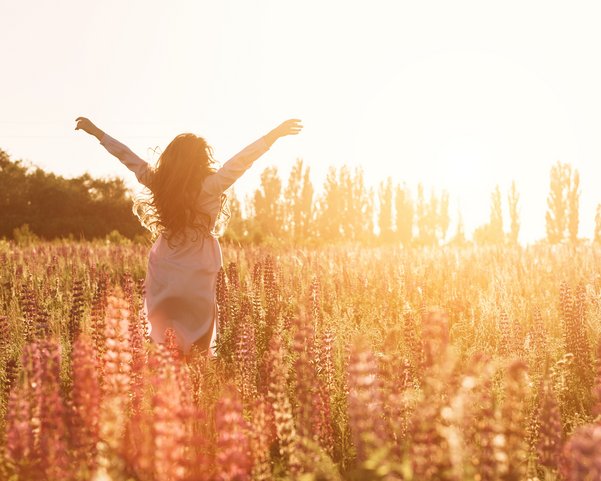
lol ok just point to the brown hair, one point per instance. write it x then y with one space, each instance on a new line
169 205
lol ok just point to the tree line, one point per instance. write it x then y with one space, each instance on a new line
345 209
33 201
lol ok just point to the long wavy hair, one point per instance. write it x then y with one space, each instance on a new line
168 206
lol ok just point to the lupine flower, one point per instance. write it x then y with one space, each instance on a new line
305 379
597 385
486 436
246 361
98 314
20 440
76 311
4 336
53 446
29 308
86 402
278 396
233 450
506 335
365 402
550 438
261 439
582 454
512 441
435 335
170 434
117 370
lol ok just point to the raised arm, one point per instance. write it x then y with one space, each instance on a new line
134 163
231 170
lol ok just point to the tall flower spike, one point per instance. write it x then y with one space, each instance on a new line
246 360
117 371
261 438
512 417
76 311
20 447
53 430
550 440
582 454
233 450
278 396
305 378
597 385
486 428
364 401
99 306
4 336
435 335
169 431
86 403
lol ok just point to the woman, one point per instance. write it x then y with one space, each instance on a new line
186 211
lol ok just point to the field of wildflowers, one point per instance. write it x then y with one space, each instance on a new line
333 363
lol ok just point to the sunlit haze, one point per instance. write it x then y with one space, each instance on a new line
457 95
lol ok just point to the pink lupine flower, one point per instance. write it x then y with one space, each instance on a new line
582 454
86 401
233 450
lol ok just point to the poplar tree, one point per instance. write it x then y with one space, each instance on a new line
267 204
404 215
513 199
385 210
557 208
573 206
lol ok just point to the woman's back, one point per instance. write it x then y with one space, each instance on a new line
181 279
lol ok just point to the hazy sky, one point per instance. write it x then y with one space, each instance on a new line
457 95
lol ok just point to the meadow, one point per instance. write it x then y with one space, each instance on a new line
338 363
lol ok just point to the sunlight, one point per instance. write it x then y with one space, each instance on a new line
295 241
422 96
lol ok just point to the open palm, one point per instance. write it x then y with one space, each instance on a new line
289 127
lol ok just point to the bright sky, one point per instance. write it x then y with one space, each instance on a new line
457 95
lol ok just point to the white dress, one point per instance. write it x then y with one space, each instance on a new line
180 283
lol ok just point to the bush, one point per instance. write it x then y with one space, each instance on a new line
115 237
23 235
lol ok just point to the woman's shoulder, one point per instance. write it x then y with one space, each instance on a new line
208 199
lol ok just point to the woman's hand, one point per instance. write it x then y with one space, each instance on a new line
288 127
87 126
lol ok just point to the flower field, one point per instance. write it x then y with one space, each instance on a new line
337 363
